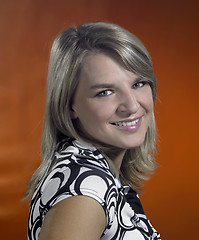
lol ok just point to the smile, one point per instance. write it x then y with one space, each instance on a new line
128 124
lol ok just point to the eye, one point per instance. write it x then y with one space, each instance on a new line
139 84
104 93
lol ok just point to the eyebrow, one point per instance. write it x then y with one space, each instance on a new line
106 85
102 85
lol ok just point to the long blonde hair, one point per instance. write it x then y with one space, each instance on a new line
66 58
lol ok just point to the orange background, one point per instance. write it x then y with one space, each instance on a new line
169 29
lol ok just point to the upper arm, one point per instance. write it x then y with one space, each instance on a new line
78 217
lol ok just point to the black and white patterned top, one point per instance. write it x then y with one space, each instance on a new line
79 169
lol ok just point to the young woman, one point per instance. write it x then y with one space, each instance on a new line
98 138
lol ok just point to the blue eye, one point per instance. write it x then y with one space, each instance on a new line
139 84
104 93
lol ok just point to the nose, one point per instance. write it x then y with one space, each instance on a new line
128 104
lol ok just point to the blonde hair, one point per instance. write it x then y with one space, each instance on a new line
66 58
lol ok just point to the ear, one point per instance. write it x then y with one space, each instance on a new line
73 113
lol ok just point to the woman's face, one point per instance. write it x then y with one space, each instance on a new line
112 105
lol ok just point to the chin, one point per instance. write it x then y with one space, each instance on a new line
134 144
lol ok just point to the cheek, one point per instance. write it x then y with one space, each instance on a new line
147 100
101 113
99 110
150 105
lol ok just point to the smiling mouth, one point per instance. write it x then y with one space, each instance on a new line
128 124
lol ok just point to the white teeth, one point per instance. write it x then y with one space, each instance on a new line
127 123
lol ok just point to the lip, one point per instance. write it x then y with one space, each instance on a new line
131 124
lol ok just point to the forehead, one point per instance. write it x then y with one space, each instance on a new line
101 67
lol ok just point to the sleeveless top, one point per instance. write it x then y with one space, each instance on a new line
79 169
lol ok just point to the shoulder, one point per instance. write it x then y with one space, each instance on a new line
77 217
78 170
82 173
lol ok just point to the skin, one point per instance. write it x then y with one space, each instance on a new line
111 94
75 218
106 95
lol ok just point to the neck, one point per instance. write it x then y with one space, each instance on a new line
116 156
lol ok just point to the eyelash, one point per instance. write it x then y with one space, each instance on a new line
137 84
108 92
104 93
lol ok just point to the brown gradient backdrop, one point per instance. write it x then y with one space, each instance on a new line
170 31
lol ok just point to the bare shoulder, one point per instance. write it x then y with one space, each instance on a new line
78 217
